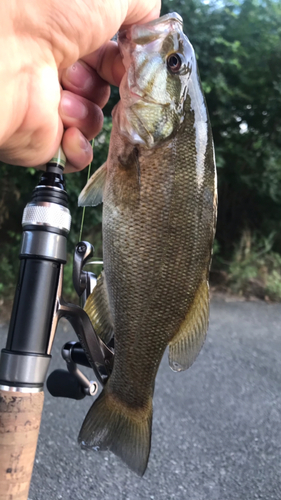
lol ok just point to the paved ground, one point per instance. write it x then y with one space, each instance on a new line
216 429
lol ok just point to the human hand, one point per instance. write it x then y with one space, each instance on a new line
56 66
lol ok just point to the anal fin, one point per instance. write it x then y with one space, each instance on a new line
188 341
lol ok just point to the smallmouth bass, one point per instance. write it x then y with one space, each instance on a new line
158 188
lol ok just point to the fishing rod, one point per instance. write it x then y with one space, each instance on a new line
37 308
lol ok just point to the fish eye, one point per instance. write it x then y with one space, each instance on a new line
174 63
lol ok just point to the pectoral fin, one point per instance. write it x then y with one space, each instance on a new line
186 344
98 310
92 194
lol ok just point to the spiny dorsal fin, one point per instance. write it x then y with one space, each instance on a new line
98 310
186 345
91 195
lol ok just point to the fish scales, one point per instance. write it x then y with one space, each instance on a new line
158 227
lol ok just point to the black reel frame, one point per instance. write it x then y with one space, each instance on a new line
38 303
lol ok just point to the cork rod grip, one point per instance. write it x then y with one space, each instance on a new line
20 417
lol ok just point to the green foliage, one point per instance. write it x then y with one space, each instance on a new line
255 268
7 276
273 285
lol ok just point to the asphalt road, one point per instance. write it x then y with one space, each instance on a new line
216 428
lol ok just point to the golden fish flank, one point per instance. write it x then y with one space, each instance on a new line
158 187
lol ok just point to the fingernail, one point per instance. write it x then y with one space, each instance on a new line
79 76
72 107
84 143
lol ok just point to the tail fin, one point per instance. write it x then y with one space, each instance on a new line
110 425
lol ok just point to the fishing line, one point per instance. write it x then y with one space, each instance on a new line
84 208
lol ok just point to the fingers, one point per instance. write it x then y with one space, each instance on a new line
82 121
107 62
83 80
78 150
76 111
84 94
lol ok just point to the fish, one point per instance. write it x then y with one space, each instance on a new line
158 188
